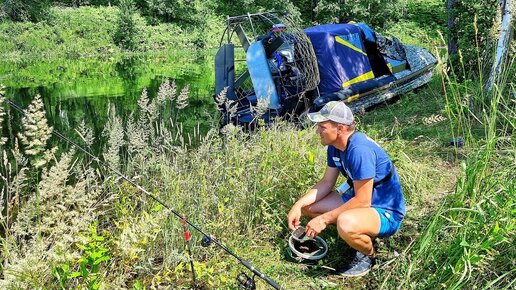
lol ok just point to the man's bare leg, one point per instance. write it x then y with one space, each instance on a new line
358 227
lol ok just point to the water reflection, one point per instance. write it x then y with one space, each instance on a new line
127 70
77 90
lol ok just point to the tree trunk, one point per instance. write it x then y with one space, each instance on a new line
502 48
452 37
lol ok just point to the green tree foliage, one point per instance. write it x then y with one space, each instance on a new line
78 3
196 17
163 10
239 7
25 10
125 35
377 13
474 22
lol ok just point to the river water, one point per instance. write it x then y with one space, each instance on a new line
75 90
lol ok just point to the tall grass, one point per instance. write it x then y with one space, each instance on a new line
231 185
469 241
74 224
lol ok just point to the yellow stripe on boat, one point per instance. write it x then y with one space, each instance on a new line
352 98
361 78
389 65
342 41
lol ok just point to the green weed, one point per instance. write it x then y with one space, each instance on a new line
238 186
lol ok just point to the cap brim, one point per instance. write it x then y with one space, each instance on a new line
317 117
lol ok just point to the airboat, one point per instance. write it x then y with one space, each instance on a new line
268 67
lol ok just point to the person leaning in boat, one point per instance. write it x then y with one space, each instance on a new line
372 207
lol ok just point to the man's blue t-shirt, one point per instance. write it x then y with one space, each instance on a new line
364 159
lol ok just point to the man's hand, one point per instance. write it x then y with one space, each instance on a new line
316 226
294 217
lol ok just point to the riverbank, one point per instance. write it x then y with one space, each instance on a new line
239 187
87 32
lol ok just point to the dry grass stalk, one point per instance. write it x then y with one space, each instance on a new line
2 114
36 133
115 136
86 134
182 98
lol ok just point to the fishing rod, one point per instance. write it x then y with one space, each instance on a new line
244 280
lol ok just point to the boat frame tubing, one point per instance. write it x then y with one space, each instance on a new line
148 194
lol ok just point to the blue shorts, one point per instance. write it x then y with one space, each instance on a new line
389 222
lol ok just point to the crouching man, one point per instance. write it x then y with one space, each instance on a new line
368 205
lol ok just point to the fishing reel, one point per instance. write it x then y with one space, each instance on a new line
206 241
246 282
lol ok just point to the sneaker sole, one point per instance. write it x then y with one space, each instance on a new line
356 275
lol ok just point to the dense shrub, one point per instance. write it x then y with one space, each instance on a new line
88 31
377 13
125 34
25 10
241 7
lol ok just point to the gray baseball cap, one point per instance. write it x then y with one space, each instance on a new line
335 111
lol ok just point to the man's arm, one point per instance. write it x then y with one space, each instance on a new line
320 189
363 198
316 193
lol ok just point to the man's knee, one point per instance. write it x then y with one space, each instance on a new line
307 210
347 225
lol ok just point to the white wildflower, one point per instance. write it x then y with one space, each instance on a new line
173 91
48 224
231 108
164 92
17 154
261 107
136 136
146 116
143 102
433 119
230 130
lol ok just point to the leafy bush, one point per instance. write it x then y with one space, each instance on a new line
377 13
70 32
126 30
88 31
25 10
241 7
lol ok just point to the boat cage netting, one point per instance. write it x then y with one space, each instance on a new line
302 72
